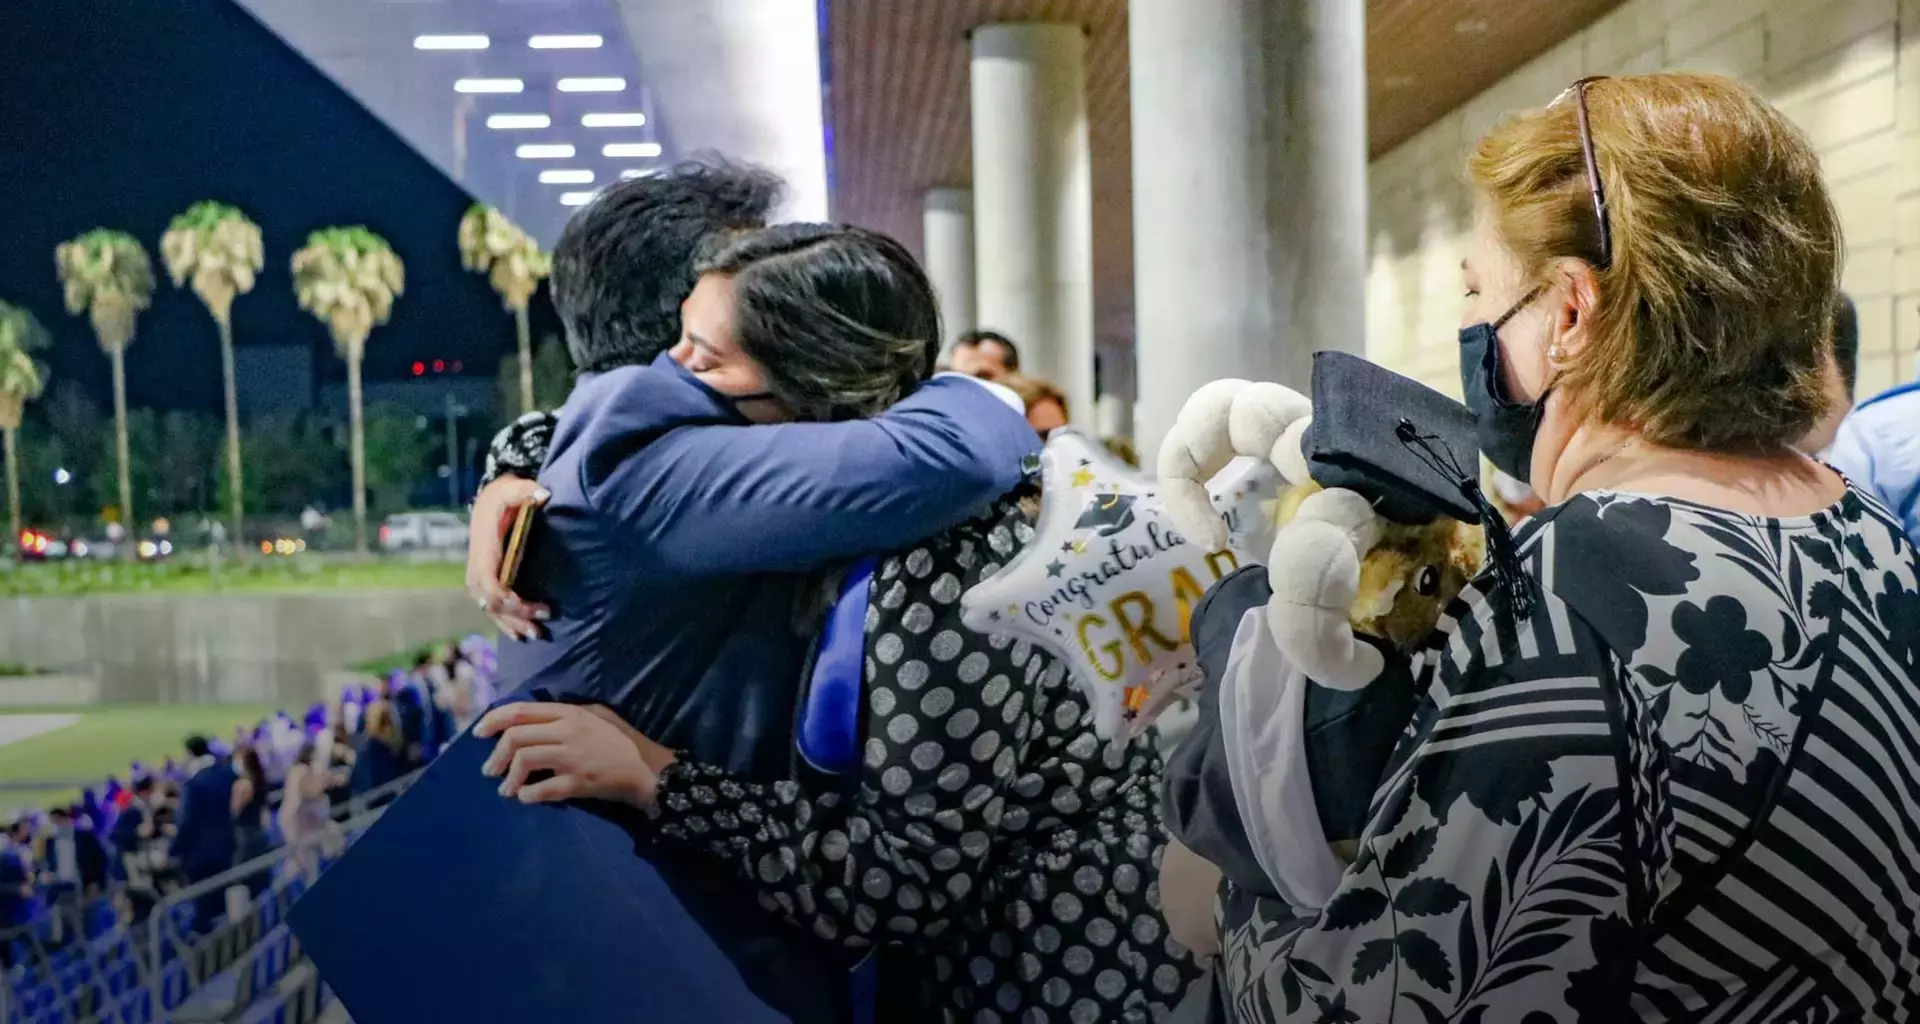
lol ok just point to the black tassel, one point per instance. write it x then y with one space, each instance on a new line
1515 586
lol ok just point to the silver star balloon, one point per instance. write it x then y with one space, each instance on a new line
1107 584
1244 493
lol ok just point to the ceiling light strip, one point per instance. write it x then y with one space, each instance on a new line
573 42
591 84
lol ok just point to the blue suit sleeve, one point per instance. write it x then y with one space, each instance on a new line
715 500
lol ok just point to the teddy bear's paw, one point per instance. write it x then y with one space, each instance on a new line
1290 454
1345 510
1190 506
1315 575
1260 417
1198 447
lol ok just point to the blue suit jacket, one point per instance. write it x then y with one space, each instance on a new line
676 545
204 841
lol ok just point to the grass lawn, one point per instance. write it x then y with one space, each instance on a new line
106 739
195 575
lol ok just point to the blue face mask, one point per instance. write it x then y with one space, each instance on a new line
1505 428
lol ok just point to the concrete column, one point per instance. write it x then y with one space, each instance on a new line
1249 193
1118 389
1033 201
947 253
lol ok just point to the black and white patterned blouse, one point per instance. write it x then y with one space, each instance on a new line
520 448
1687 789
991 832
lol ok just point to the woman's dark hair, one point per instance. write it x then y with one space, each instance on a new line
842 319
255 772
1012 351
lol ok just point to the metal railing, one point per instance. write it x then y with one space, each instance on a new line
59 933
379 796
101 965
235 940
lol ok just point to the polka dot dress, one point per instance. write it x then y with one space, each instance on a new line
991 833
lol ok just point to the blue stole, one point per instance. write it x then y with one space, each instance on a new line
827 733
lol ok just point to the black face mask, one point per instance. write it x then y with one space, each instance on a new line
733 400
1505 428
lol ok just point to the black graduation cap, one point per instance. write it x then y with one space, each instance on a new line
1410 450
1107 514
1357 440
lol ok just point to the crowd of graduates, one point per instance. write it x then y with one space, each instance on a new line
226 802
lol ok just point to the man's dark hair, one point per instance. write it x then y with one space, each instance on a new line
197 746
972 338
143 784
61 812
842 319
625 261
1846 340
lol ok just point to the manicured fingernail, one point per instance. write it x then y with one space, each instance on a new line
542 494
542 615
503 790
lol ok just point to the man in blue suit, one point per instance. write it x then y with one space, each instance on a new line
204 844
676 553
678 548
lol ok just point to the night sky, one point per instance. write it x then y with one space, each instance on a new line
121 113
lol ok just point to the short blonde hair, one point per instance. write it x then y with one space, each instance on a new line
1716 310
1033 391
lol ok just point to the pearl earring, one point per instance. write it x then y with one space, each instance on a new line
1556 354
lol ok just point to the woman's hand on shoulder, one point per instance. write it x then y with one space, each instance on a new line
591 753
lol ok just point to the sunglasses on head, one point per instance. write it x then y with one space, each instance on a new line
1578 91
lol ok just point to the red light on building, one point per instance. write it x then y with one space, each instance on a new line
419 369
439 366
458 366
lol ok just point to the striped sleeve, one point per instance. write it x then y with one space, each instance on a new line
1492 873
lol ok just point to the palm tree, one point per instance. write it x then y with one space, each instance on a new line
21 381
515 267
349 277
108 277
219 249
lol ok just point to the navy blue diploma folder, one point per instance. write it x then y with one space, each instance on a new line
461 906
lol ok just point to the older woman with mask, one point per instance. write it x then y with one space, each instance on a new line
1668 771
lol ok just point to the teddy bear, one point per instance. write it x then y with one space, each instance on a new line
1339 571
1348 588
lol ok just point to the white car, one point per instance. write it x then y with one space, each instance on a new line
423 531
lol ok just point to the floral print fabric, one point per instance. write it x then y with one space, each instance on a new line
1687 788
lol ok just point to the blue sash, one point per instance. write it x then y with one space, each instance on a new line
828 732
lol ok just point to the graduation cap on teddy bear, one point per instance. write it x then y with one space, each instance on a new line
1410 450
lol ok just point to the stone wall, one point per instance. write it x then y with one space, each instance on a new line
267 648
1847 71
